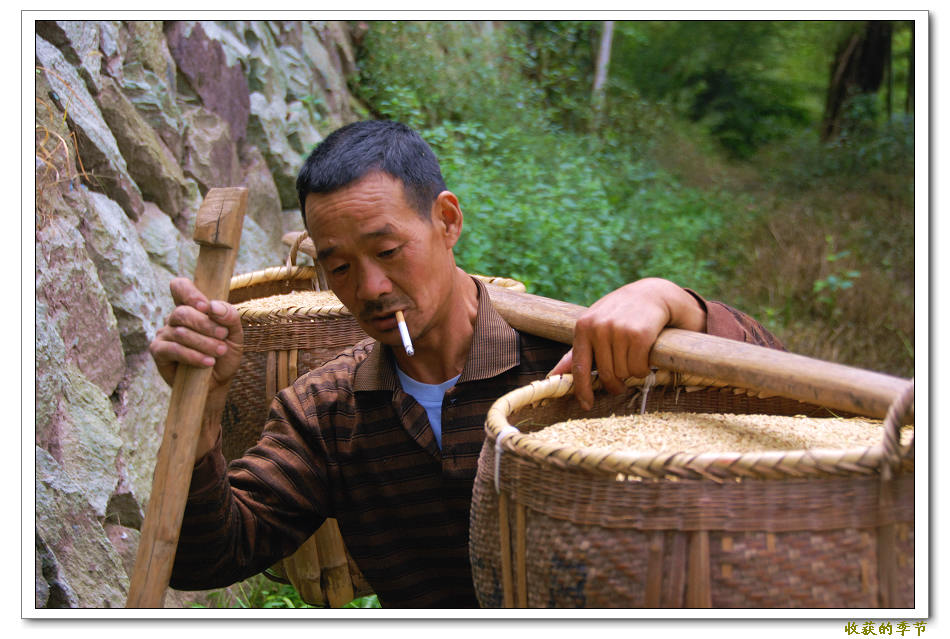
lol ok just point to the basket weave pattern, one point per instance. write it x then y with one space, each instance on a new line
588 528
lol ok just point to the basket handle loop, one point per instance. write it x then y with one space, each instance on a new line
320 278
292 256
897 413
505 431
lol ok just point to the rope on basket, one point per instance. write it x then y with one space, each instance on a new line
647 385
890 460
505 431
891 446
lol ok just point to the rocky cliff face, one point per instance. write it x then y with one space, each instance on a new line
135 121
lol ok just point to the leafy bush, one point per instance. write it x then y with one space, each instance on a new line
424 73
261 592
535 209
575 212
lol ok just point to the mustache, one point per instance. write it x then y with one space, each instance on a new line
382 306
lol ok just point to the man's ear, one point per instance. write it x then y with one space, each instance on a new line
447 216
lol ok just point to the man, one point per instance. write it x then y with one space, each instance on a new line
384 442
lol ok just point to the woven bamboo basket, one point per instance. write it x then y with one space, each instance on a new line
566 526
280 345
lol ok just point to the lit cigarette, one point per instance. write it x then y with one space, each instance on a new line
404 333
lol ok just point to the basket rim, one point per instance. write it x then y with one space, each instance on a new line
717 466
271 274
326 310
276 273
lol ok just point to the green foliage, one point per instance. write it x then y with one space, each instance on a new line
559 58
261 592
839 279
535 209
724 74
369 601
671 235
575 212
862 149
425 73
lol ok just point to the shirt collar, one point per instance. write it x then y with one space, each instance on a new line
494 350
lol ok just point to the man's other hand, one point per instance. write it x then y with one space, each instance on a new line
199 332
616 333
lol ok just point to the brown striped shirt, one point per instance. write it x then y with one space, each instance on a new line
345 441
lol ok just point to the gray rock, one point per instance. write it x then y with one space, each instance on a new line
79 42
155 100
76 303
126 542
88 571
50 382
222 87
292 221
96 145
42 588
263 201
56 167
329 75
149 48
267 129
188 251
52 589
82 437
141 405
147 75
139 303
210 153
112 47
258 250
152 166
265 72
159 237
112 101
235 50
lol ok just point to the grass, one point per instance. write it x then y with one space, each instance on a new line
826 259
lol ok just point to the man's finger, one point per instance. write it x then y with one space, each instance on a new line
227 316
604 363
564 365
189 318
581 363
184 292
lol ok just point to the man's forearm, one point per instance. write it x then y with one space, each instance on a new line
211 422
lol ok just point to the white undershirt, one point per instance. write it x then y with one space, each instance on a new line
430 396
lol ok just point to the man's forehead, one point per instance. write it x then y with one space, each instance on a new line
371 182
327 246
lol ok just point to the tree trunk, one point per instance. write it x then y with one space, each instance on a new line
858 68
600 75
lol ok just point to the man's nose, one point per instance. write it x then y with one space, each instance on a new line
373 282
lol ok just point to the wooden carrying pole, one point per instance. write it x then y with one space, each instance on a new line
733 363
218 232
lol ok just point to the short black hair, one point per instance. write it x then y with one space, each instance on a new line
357 149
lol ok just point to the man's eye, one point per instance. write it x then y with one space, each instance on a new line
389 252
339 270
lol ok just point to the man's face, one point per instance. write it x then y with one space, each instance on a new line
380 256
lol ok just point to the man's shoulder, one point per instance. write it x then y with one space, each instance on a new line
338 373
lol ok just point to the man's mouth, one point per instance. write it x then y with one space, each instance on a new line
383 322
381 314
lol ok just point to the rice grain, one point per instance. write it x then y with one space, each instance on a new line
286 301
668 432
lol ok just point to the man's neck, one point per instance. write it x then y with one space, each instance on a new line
441 354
